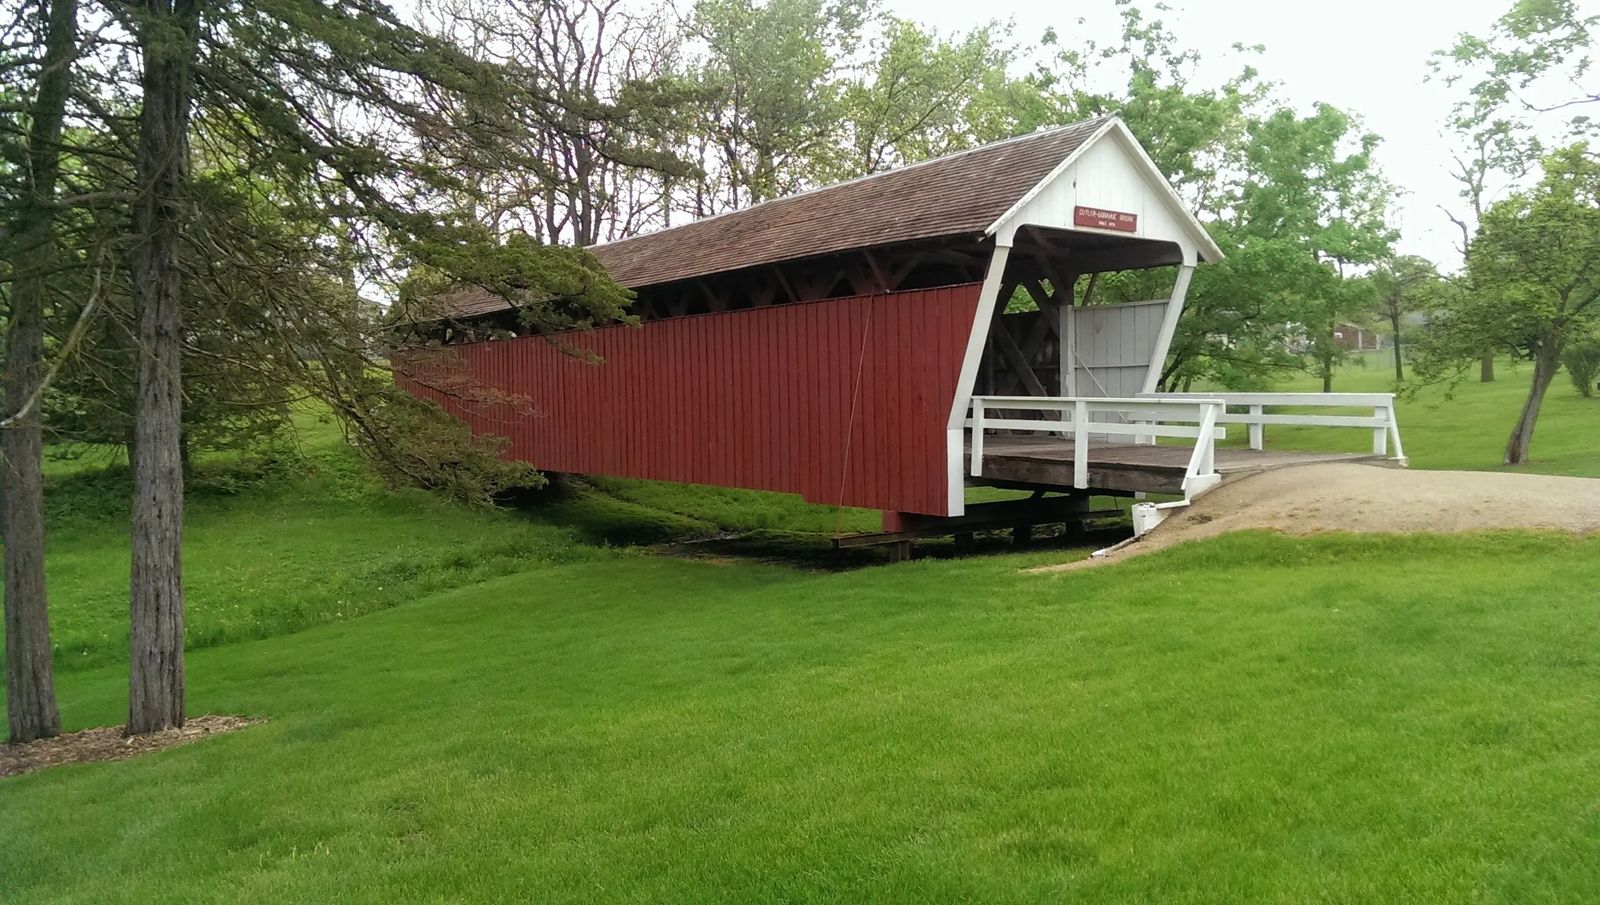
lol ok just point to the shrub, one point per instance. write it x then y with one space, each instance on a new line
1582 359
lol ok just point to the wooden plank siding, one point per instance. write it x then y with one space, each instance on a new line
1115 343
842 401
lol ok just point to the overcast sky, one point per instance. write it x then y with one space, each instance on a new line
1364 56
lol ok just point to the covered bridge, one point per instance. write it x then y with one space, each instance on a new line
852 344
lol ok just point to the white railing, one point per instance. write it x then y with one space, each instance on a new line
1381 422
1072 417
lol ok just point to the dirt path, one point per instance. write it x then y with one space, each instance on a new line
1308 499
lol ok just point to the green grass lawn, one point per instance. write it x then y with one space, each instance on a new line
271 549
1250 719
1463 429
261 559
532 707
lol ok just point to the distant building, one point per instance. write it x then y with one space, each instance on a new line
1355 338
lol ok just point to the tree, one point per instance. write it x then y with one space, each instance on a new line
601 162
772 81
1405 285
1535 277
168 35
1235 323
924 96
32 251
1534 60
1532 67
1312 180
341 116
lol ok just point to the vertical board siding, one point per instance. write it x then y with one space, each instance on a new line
1115 343
842 401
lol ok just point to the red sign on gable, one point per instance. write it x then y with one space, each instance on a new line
1100 218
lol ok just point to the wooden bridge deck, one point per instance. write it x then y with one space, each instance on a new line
1047 462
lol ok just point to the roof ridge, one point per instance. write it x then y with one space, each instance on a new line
1027 136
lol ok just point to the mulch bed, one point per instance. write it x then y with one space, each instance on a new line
108 743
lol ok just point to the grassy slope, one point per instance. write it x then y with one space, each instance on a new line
1373 719
261 560
334 545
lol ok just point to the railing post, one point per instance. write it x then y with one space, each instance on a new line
1394 427
1258 431
1202 469
977 437
1380 434
1080 444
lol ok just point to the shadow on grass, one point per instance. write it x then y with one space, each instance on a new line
598 514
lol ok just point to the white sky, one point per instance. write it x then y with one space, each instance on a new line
1367 57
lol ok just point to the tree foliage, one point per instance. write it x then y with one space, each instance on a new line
1295 201
772 79
1407 286
1527 80
237 176
1534 273
925 96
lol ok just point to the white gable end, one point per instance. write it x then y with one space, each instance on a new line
1110 173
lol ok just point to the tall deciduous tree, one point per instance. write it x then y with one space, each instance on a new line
598 165
1528 79
924 96
1537 255
31 248
1405 285
772 79
1535 282
1233 330
1312 179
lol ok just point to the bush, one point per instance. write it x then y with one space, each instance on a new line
1582 359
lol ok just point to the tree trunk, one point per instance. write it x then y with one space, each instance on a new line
1399 364
155 671
1486 368
31 711
1546 362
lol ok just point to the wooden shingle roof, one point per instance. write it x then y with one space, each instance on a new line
960 194
948 196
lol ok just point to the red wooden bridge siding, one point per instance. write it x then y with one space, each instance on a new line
758 398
